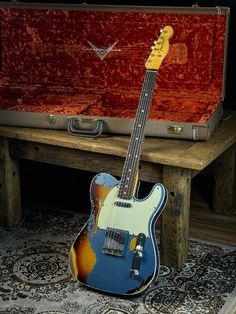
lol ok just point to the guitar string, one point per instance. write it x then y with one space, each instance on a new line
129 161
140 134
145 102
136 145
134 150
128 166
142 115
136 136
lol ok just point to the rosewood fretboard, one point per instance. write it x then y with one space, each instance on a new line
131 166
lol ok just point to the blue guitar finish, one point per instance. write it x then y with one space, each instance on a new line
116 250
111 273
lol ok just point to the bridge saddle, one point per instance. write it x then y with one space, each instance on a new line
114 241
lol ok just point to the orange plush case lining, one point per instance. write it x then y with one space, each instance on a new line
48 65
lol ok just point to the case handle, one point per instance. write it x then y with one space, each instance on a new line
74 129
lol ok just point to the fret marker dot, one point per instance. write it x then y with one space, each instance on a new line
142 110
146 94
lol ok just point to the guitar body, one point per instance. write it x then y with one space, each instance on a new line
116 250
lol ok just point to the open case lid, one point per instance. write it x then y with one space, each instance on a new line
89 59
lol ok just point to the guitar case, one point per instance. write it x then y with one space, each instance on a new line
81 68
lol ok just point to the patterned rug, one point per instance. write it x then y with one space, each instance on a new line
34 274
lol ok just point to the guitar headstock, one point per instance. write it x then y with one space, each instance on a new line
160 50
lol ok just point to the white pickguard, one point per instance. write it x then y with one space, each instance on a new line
135 219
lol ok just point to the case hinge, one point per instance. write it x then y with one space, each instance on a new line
198 133
219 11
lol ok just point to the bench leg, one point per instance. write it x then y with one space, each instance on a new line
10 194
224 185
175 217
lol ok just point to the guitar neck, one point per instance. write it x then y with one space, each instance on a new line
131 166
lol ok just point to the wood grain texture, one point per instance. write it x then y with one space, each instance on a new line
78 159
173 161
10 196
179 153
224 176
209 226
175 217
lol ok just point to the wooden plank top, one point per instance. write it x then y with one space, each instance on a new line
174 152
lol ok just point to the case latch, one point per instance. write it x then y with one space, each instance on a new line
52 119
175 129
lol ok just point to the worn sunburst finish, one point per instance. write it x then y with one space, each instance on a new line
116 250
112 273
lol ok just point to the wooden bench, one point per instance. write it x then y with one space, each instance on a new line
173 162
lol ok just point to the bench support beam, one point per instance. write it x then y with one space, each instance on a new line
10 194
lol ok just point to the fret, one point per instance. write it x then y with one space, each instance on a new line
131 166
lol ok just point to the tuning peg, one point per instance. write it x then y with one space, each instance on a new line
161 30
155 42
152 47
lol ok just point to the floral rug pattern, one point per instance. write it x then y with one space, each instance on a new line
35 276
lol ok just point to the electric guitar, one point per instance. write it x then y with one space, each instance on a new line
116 251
